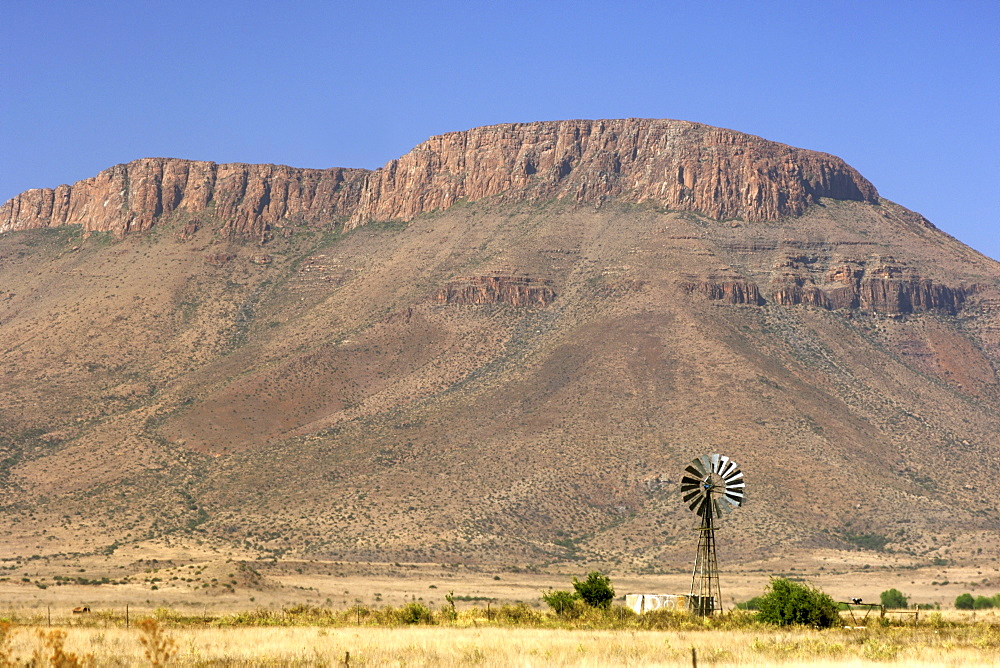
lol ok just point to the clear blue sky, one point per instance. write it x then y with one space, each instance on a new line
907 92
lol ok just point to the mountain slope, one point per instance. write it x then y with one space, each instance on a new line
514 367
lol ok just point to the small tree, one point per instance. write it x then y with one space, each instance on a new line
596 590
560 600
965 602
786 602
894 599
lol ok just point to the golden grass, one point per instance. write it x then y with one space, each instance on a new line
969 645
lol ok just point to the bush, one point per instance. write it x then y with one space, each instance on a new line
894 599
520 614
752 604
965 602
665 619
561 601
786 602
982 603
596 590
416 613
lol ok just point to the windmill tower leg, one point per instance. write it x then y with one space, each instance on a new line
705 594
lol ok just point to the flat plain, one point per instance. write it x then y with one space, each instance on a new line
192 591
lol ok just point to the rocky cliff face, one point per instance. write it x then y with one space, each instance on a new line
679 165
877 285
510 290
248 199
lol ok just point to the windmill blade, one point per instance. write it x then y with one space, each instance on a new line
733 476
694 470
734 494
730 503
722 465
687 482
714 459
706 464
728 469
693 498
736 503
721 508
697 469
735 479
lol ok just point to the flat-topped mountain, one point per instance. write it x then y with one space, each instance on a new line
502 347
675 164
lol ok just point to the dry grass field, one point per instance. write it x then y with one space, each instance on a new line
194 578
201 623
471 642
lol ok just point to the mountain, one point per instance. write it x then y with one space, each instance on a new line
502 347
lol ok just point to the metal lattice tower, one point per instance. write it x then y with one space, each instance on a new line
711 484
706 596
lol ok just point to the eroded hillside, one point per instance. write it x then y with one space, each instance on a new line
514 379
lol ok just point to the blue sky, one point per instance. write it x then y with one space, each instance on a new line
906 92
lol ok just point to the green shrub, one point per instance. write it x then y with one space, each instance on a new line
965 602
611 617
894 599
665 619
520 614
596 590
786 602
982 603
561 601
413 613
752 604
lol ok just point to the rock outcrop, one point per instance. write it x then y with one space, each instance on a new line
877 285
247 199
679 165
729 291
510 290
676 164
879 295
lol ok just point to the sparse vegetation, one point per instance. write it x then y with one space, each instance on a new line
159 647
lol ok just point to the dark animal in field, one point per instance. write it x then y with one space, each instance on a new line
77 611
855 601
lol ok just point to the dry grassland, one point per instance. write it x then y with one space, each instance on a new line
494 646
181 576
202 635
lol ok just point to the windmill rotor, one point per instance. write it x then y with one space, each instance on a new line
713 484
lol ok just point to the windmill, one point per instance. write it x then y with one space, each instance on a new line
711 485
